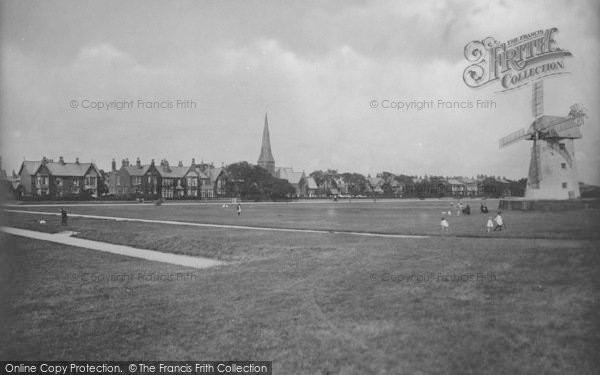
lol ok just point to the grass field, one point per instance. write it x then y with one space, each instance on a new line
522 301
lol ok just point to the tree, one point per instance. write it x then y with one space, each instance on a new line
252 182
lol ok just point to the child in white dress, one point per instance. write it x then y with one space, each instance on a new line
444 224
490 224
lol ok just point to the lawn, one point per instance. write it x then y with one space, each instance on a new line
312 303
398 216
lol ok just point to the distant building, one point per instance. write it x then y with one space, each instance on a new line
48 179
294 178
173 180
265 159
137 181
311 188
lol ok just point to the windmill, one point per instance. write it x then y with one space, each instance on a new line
552 168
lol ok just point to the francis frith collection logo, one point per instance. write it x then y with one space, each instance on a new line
516 62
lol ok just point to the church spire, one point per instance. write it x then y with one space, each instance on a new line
266 159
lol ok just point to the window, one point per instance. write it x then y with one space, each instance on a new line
75 181
563 165
118 180
561 146
564 185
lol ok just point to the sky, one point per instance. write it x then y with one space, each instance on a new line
317 68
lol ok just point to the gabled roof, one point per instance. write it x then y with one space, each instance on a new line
202 175
213 173
375 181
70 169
30 167
312 184
58 168
135 171
172 172
287 173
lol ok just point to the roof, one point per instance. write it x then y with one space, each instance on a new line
58 168
455 181
374 181
266 156
214 173
172 172
287 173
30 167
70 169
136 171
312 184
198 170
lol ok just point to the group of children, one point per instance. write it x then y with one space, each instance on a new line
495 224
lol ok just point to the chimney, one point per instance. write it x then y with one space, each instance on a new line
180 164
127 162
193 162
44 160
61 160
76 161
123 164
152 162
113 165
138 163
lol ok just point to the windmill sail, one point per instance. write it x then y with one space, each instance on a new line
537 99
512 138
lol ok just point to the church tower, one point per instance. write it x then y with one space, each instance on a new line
266 159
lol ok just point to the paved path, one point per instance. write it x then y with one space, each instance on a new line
157 256
226 226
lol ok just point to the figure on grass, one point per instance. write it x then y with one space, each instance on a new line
499 222
444 224
63 216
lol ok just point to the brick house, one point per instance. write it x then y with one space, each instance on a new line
173 180
48 179
136 181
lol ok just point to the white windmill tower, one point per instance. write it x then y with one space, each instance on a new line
552 169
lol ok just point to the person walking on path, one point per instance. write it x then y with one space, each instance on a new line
239 209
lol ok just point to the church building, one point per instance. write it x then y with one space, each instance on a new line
266 159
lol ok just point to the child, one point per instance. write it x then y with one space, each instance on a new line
490 224
499 222
444 224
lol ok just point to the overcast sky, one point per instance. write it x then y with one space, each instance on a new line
314 67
